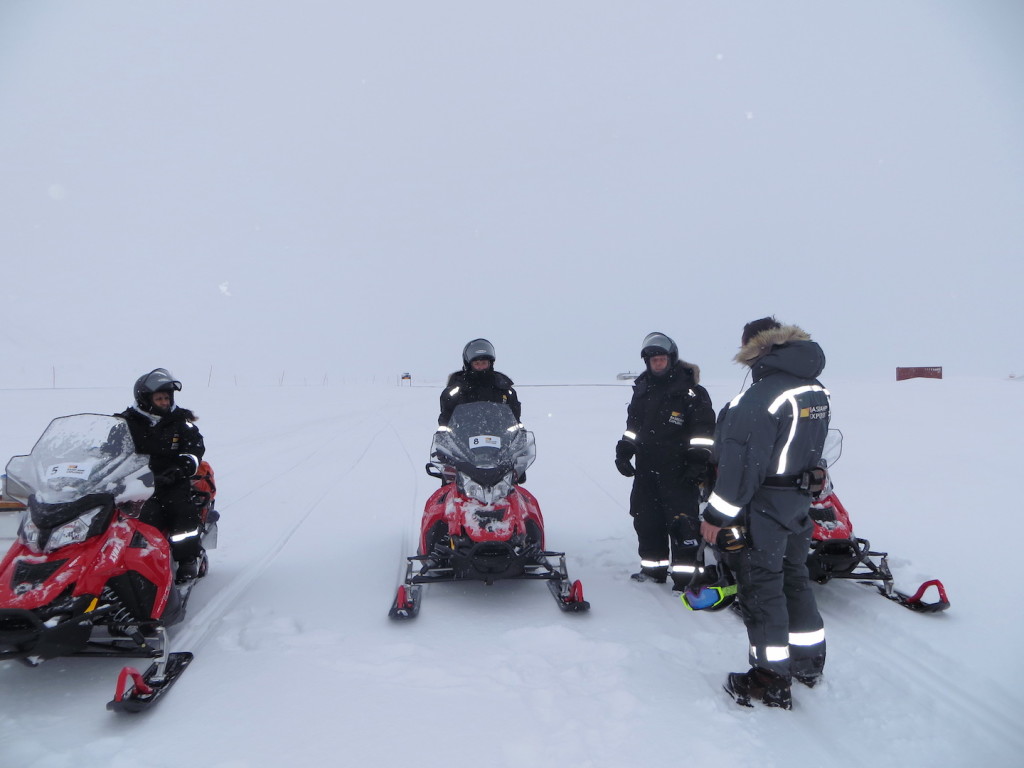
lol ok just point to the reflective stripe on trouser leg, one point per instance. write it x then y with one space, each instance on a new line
806 629
186 545
761 594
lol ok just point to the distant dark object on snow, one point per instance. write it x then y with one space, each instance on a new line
931 372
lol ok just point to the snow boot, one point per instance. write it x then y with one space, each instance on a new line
188 570
808 671
810 680
645 575
769 688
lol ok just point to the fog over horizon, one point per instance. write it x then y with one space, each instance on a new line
251 192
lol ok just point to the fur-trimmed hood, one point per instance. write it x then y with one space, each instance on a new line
788 348
684 373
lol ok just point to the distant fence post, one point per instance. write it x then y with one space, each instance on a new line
927 372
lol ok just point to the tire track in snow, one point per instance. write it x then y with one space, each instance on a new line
199 627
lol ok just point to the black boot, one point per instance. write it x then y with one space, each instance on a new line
188 570
769 688
810 680
808 671
657 575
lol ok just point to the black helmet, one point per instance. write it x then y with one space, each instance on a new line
157 380
657 343
477 349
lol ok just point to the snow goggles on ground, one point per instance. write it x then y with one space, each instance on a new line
707 598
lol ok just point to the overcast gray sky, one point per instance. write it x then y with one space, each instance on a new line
356 189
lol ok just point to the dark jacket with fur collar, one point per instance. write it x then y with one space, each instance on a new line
165 438
670 419
776 427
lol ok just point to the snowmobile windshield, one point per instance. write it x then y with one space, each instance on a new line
78 463
832 449
485 441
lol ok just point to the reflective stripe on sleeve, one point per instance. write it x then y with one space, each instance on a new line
723 506
629 435
705 442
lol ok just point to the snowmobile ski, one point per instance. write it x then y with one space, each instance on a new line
407 602
569 596
916 601
137 692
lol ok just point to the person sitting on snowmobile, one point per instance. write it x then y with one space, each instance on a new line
168 435
477 382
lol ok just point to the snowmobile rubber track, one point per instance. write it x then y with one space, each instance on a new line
137 692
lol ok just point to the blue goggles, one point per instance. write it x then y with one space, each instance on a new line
707 597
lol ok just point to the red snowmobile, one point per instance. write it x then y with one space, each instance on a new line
481 524
86 577
836 553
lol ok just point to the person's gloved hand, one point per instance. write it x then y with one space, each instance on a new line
695 472
184 467
187 464
624 451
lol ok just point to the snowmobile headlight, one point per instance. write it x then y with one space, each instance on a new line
483 493
29 533
72 532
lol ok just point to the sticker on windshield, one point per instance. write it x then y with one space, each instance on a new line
69 469
485 441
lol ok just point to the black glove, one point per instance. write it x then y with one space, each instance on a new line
624 451
695 471
168 477
187 464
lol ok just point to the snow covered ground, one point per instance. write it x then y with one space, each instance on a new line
321 490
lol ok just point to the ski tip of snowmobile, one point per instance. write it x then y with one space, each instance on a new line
569 596
407 602
137 692
916 602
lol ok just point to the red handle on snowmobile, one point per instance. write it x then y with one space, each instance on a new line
915 600
138 683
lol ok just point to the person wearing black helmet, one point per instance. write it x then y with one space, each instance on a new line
477 382
768 446
169 436
669 429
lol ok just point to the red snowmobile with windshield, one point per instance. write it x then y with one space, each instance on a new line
836 553
86 576
481 524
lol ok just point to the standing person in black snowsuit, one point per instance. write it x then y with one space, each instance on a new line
768 446
175 447
669 428
477 382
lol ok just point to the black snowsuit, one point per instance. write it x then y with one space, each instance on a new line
170 442
469 386
670 422
765 438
